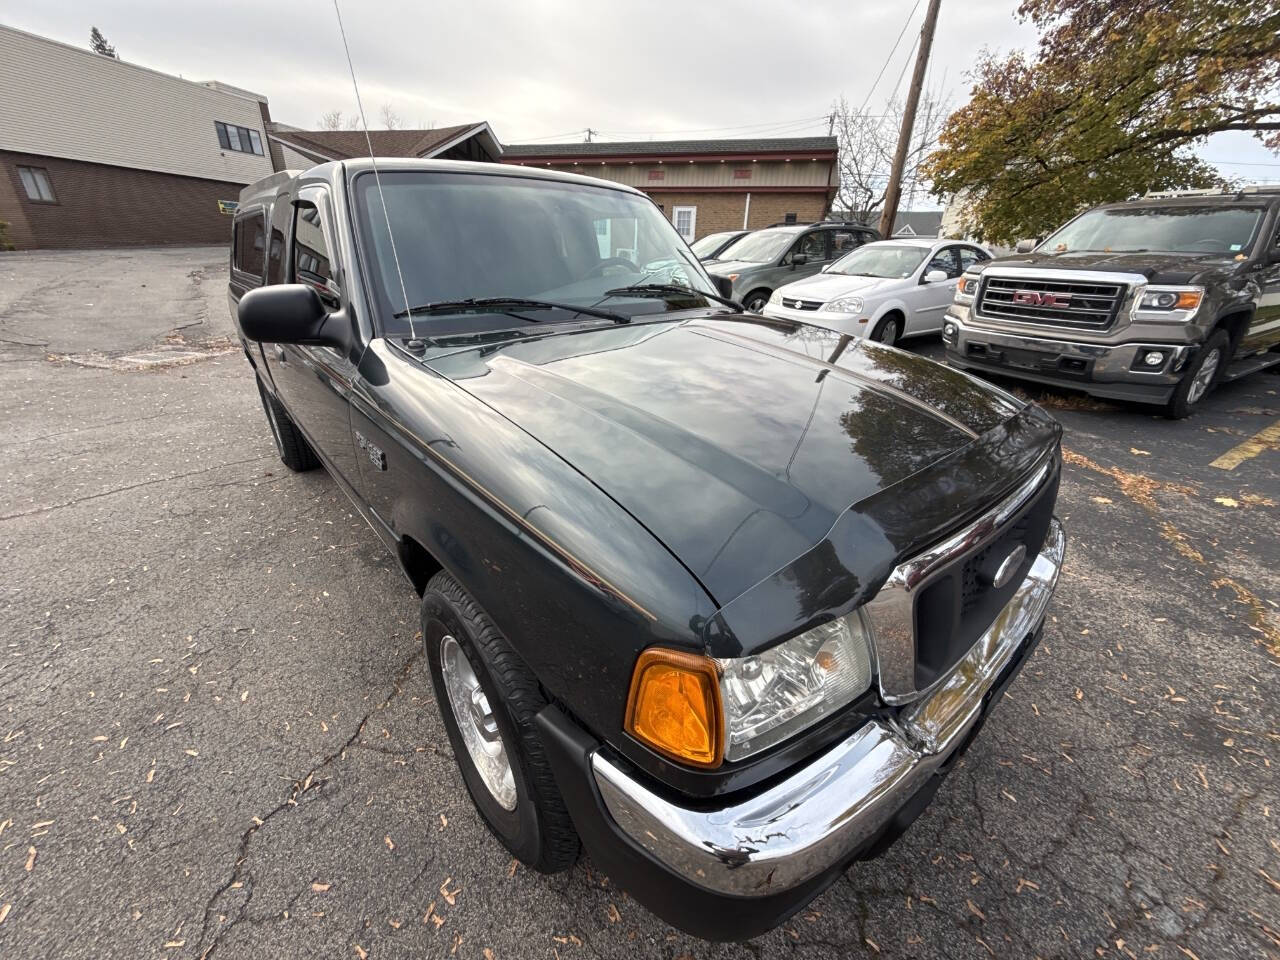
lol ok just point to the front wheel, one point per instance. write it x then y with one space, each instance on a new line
1199 378
488 701
295 452
888 330
756 301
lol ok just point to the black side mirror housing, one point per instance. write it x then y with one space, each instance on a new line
724 286
291 313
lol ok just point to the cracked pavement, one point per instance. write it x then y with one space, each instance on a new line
217 737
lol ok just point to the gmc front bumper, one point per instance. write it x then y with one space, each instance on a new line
1112 371
731 872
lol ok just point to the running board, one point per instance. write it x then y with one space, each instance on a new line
1242 368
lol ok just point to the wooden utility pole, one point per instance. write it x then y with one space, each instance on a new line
894 191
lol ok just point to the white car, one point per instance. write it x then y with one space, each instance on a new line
883 290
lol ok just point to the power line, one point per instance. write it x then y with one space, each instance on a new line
892 51
1241 163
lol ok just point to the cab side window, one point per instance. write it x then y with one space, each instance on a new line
311 257
275 257
248 245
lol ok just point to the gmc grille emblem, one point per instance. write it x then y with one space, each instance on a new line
1036 298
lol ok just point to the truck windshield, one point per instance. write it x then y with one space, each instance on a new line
888 260
1174 229
763 246
466 236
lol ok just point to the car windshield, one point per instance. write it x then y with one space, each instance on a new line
887 260
1173 229
708 244
466 236
763 246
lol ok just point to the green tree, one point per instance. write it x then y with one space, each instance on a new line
99 44
1106 108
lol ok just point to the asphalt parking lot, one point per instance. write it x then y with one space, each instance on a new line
217 737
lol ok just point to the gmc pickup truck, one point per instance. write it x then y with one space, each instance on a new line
1155 301
719 597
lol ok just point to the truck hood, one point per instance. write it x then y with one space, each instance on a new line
1156 267
736 441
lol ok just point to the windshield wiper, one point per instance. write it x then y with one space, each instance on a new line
508 304
670 289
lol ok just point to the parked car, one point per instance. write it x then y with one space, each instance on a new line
1155 301
722 597
762 261
882 290
713 244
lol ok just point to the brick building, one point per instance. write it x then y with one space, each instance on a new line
706 186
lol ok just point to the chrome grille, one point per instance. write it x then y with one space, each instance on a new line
795 303
1079 304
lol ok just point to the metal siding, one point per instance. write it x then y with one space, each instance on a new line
798 173
65 102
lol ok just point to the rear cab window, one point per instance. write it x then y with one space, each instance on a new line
249 247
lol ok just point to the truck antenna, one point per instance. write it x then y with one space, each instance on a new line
377 177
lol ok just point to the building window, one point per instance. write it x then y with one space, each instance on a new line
686 221
239 139
35 181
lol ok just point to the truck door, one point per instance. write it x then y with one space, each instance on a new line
1264 332
315 382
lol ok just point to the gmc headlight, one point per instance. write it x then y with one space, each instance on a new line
770 696
1176 304
966 287
844 305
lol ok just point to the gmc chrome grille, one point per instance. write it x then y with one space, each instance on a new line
1081 305
794 303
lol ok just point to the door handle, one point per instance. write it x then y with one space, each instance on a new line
280 354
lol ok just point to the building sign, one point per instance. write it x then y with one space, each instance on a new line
657 174
742 173
228 206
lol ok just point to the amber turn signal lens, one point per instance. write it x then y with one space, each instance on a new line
1188 300
674 707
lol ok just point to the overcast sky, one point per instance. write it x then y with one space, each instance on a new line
548 69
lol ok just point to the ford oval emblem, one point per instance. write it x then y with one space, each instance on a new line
1009 566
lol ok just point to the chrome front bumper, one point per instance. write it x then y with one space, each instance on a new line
828 809
1094 363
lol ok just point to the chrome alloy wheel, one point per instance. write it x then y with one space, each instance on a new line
1204 376
476 722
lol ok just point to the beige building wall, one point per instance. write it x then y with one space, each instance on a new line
62 101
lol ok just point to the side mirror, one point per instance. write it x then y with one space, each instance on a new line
290 313
799 260
935 276
724 286
1026 246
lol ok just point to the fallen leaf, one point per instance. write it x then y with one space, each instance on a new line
614 916
488 954
387 841
1103 500
449 895
511 870
174 944
320 887
31 859
360 951
4 910
973 908
1227 501
1139 453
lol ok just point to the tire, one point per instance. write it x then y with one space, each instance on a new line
756 300
1197 382
888 330
292 446
538 830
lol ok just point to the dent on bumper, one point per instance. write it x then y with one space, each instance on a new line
826 810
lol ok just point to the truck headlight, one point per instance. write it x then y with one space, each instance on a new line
966 287
769 696
1176 304
844 305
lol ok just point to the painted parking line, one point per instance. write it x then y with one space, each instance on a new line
1264 438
